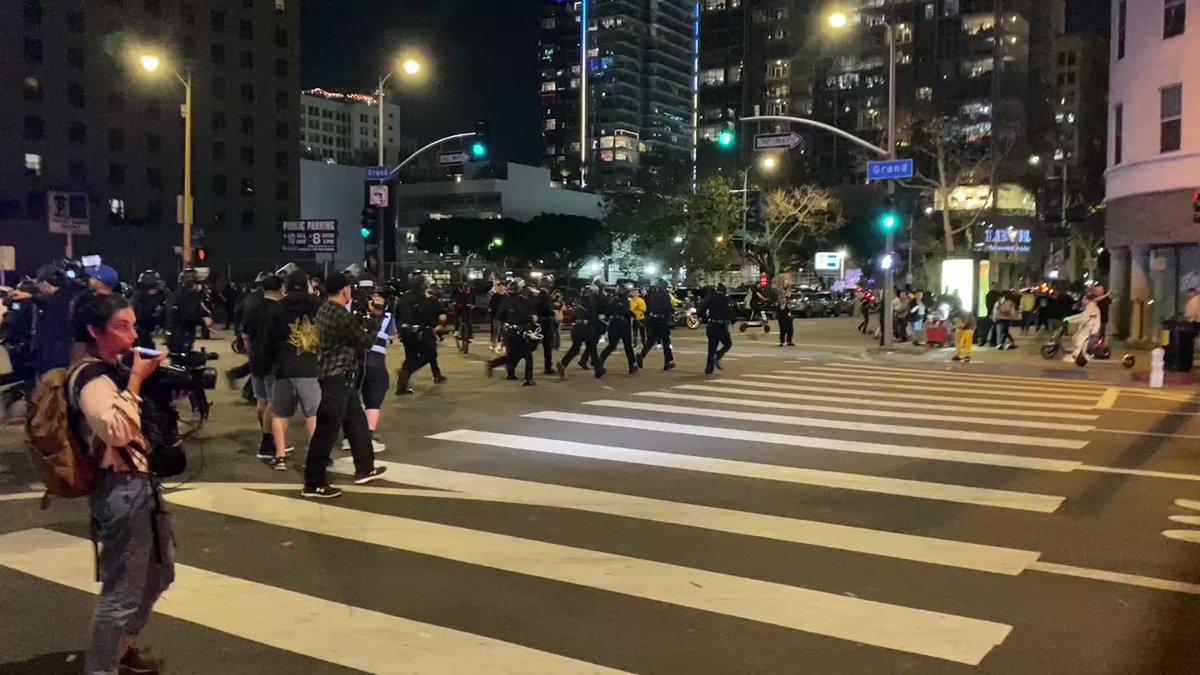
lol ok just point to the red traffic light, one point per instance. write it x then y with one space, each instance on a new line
201 255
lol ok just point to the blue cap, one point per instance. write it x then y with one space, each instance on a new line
105 275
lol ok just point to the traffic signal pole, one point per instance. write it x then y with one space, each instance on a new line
889 287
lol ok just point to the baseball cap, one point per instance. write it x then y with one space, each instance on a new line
105 275
297 280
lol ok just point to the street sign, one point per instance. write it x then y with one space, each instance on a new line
892 169
378 172
450 158
828 261
67 213
788 140
378 196
310 236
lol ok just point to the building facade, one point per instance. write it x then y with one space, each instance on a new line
344 128
1153 160
78 114
625 118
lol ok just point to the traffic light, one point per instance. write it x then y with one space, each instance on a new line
369 221
481 142
754 210
201 255
727 137
889 217
1196 208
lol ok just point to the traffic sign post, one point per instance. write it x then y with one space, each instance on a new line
378 172
892 169
378 196
788 140
452 158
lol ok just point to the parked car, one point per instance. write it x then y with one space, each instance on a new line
824 304
800 304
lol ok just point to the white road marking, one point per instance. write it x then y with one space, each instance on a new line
853 425
1156 412
1185 520
916 631
1140 472
1116 577
469 486
913 399
1130 432
1043 381
949 379
359 639
889 382
960 494
19 496
868 402
837 445
1190 536
1188 504
856 411
1109 399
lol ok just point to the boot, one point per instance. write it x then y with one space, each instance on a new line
561 369
402 387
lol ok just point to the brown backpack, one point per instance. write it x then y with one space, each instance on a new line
67 464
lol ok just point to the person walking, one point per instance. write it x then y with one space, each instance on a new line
462 304
716 311
292 345
964 335
1004 316
620 318
495 300
255 317
637 305
516 317
659 315
864 308
374 382
342 339
1028 308
583 331
900 316
916 318
544 311
783 314
134 540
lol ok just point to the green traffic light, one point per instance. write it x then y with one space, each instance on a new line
365 232
725 139
888 221
478 150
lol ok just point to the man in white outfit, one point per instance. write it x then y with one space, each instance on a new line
1088 322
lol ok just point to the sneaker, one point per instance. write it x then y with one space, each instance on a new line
633 370
669 365
135 661
956 358
966 359
585 366
561 370
708 371
278 463
512 377
377 446
529 383
437 380
791 344
320 492
600 371
370 476
717 364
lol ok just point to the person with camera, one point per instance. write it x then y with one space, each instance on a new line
132 529
291 346
342 339
52 341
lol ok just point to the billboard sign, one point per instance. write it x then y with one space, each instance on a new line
310 236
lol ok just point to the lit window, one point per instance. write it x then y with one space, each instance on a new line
117 207
551 124
925 94
280 5
33 164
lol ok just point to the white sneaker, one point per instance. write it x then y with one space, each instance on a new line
378 447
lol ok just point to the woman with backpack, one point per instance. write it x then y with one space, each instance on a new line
135 561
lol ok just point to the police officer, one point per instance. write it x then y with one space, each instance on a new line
544 310
516 318
419 312
659 313
583 331
185 313
148 303
716 310
620 327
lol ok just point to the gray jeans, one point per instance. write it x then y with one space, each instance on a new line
132 575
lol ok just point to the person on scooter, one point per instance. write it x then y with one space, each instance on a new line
1088 321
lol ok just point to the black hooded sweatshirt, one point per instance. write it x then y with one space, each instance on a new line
289 337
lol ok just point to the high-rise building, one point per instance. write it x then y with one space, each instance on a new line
1081 115
82 116
344 128
624 119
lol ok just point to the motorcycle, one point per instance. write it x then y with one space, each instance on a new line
686 315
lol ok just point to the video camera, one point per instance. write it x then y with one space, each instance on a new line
187 376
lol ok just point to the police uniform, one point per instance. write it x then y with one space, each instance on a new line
418 315
620 326
584 335
659 314
545 319
716 310
516 317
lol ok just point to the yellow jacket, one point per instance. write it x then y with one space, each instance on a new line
638 307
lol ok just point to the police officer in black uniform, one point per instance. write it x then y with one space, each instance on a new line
544 311
584 334
516 317
420 313
716 310
659 313
148 304
620 329
185 313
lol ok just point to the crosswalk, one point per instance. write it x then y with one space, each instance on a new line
666 530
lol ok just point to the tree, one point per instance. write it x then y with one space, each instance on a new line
713 215
794 222
561 240
466 237
644 227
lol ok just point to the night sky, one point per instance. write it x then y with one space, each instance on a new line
482 60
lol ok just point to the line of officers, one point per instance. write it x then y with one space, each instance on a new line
526 318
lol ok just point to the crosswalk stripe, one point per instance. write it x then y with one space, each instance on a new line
866 412
961 494
866 401
891 383
956 381
360 639
838 445
897 429
916 548
916 631
975 376
849 395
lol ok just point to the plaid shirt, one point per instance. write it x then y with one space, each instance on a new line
343 339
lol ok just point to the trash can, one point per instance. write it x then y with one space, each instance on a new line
1180 345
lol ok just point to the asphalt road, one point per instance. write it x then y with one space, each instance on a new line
806 511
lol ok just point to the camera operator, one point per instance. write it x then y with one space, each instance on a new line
185 313
16 332
52 323
135 561
380 323
342 339
148 304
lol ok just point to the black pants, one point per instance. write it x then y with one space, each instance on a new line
515 349
466 330
866 320
341 410
640 331
718 333
420 349
547 325
787 328
658 330
182 340
619 330
583 337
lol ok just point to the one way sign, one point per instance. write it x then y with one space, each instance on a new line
776 141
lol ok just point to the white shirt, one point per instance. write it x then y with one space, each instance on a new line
1191 310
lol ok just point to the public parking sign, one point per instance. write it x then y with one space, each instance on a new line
378 172
310 236
892 169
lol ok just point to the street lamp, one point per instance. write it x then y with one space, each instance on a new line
839 21
768 163
151 63
411 66
408 67
1035 160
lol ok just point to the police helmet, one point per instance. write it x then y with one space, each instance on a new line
149 279
261 277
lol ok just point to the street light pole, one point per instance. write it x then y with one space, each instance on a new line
187 170
382 158
890 243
